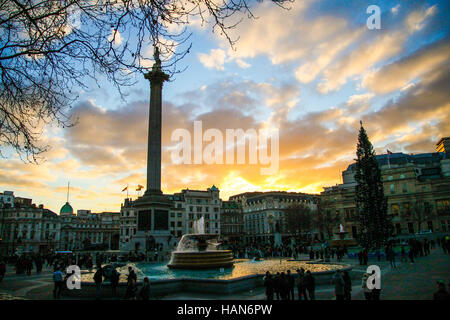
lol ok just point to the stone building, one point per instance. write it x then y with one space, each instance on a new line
263 213
87 230
417 187
30 228
186 207
231 222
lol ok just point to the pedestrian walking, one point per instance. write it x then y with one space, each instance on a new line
58 283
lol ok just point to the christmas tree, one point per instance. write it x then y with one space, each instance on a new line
371 204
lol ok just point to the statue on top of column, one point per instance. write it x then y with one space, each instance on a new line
157 64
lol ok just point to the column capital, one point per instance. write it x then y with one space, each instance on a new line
156 75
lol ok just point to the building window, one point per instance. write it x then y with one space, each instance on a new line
392 188
404 188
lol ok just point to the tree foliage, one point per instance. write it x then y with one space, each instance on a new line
49 49
298 219
326 220
371 204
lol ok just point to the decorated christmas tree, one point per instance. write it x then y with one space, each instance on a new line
371 204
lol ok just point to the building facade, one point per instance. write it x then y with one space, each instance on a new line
187 206
263 214
231 222
26 227
417 188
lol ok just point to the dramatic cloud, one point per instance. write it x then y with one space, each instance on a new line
400 73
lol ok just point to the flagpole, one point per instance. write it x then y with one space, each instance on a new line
127 190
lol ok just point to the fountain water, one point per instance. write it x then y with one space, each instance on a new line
199 251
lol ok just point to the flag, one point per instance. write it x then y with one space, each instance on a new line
388 152
139 187
126 188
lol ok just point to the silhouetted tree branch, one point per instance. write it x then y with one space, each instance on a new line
50 48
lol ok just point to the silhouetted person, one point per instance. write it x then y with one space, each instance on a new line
291 285
269 284
310 285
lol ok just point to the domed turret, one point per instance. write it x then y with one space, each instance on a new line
66 209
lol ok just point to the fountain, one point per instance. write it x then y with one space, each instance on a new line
342 239
199 251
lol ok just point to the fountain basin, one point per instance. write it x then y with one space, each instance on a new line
201 259
245 275
199 251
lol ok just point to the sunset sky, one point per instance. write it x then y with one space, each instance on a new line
313 72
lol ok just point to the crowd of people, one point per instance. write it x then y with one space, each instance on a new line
282 285
279 286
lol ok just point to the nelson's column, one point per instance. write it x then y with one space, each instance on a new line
153 207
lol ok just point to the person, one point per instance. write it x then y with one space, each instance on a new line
367 291
365 256
131 275
276 285
131 290
375 292
411 254
269 284
301 284
392 257
310 285
98 279
58 282
144 293
115 276
284 286
2 270
291 285
442 293
347 286
338 283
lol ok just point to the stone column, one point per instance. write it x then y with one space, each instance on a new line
156 78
